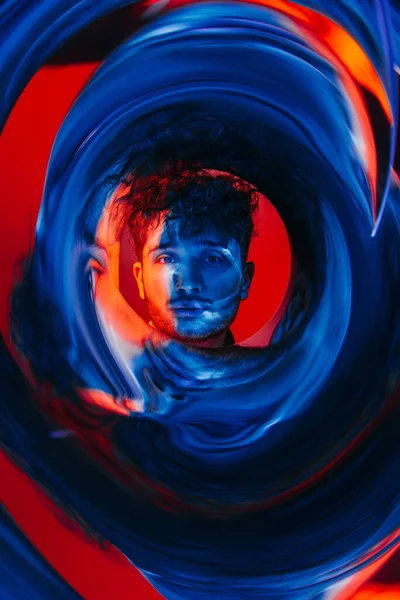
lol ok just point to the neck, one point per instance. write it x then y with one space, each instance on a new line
217 341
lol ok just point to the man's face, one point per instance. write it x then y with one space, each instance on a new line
192 283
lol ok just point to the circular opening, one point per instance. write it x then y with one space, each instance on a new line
260 312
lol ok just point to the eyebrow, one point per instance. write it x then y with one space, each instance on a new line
166 245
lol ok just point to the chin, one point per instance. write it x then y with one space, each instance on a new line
189 334
199 335
193 331
191 337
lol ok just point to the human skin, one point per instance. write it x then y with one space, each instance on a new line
192 283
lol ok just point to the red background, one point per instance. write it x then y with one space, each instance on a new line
269 250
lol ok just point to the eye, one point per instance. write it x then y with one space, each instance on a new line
214 259
166 260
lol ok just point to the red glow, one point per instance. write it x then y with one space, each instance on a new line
378 592
340 43
24 153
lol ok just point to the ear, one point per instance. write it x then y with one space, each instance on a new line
138 275
247 278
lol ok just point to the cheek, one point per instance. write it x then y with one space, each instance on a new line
223 285
158 284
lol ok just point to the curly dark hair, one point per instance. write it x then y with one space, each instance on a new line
192 196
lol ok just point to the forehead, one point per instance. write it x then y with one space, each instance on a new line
183 232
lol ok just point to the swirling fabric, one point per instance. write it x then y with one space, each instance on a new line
19 557
275 473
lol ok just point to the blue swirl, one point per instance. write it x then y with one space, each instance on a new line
276 475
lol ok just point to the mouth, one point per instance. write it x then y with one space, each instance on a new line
190 310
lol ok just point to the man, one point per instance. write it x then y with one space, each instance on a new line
192 232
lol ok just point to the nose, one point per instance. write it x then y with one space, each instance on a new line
188 278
